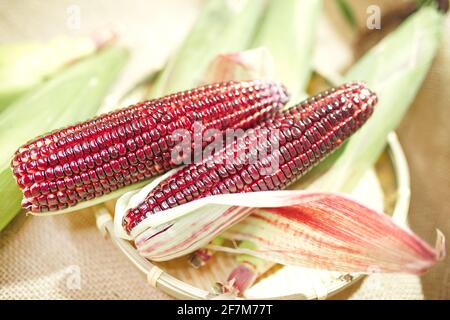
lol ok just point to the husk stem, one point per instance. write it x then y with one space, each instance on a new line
201 257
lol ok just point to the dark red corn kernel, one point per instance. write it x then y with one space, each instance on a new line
307 133
134 141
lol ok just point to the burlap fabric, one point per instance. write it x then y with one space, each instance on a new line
65 257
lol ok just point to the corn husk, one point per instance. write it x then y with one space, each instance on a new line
223 26
324 230
25 65
73 95
394 69
334 232
288 32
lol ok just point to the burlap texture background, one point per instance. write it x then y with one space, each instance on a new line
65 257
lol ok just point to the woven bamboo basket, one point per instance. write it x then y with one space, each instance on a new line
389 179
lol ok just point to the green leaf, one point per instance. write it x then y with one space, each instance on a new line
223 26
395 70
10 197
24 65
288 32
73 95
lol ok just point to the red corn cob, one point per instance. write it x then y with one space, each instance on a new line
92 158
307 133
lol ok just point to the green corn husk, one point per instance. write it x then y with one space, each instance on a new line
73 95
223 26
24 65
288 31
394 69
